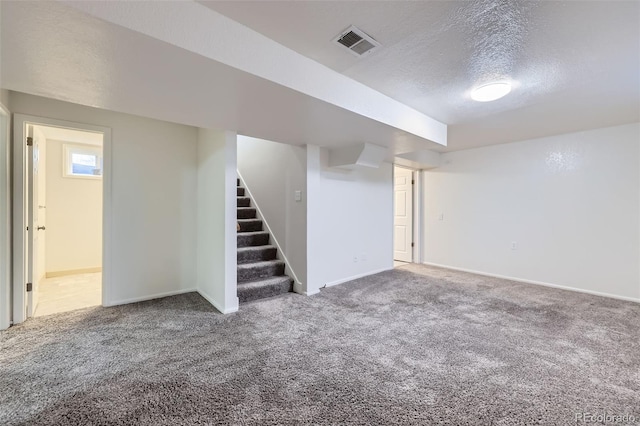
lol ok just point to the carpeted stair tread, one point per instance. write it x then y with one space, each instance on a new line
256 254
262 288
250 225
246 213
251 239
244 201
258 270
265 281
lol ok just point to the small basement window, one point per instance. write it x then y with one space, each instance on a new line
82 161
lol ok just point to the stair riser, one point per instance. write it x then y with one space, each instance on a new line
246 213
240 192
255 273
247 295
253 240
244 201
256 255
251 226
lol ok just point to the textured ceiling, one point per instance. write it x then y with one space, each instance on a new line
574 65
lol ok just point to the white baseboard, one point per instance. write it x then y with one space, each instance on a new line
522 280
217 305
52 274
150 297
355 277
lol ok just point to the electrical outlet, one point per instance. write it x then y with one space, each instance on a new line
514 245
297 195
441 216
355 259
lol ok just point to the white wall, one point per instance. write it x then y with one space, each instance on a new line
73 216
570 202
216 219
153 198
273 172
349 221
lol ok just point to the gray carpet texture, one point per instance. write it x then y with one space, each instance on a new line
416 345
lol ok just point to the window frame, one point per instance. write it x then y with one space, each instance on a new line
68 149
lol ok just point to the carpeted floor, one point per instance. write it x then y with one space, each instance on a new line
415 345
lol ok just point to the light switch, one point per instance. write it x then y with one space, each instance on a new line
298 196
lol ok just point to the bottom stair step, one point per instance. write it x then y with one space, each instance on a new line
267 287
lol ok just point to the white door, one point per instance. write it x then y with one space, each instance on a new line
32 204
41 146
403 214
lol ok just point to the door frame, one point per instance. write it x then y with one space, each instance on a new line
20 234
5 222
417 200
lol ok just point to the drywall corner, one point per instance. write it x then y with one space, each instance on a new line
314 218
4 98
421 160
357 156
216 218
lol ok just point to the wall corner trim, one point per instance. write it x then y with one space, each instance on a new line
218 305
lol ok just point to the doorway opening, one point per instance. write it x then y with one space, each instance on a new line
67 209
61 179
405 215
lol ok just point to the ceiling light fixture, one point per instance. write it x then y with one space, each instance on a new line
491 91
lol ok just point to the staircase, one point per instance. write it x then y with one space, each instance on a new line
260 273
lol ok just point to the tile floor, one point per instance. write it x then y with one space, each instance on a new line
69 292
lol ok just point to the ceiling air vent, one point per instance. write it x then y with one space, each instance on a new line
357 41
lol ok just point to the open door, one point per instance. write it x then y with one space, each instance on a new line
403 215
33 226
